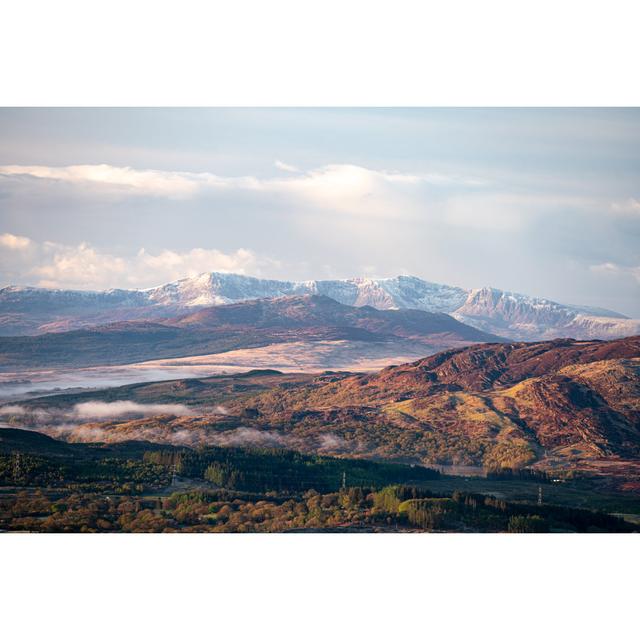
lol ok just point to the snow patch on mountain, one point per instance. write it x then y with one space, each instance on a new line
522 317
505 313
402 292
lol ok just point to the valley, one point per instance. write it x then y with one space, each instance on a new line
564 408
305 413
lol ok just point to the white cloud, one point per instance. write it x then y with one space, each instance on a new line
105 174
629 207
286 167
345 188
613 269
79 266
173 184
83 266
171 265
351 189
324 222
15 243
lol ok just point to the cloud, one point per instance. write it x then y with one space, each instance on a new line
93 410
245 436
102 410
171 265
346 188
83 266
12 410
352 189
613 269
71 431
630 207
331 441
178 433
166 183
286 167
16 243
173 432
460 224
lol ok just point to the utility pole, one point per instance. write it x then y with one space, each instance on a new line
173 475
344 479
539 494
16 468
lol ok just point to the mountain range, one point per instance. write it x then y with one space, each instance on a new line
31 310
308 320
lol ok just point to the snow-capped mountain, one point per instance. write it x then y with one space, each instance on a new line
26 310
403 292
519 316
504 313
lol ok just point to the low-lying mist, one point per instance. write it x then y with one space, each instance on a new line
95 410
99 410
172 424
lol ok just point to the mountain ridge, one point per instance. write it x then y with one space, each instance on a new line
31 310
243 325
553 405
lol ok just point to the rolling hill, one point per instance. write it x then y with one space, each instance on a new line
561 406
256 323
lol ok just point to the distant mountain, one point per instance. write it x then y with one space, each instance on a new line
252 324
32 310
521 317
403 292
28 310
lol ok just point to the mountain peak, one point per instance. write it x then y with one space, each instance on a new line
511 315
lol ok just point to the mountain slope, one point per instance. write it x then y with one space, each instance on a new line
28 310
477 368
244 325
558 406
403 292
553 404
522 317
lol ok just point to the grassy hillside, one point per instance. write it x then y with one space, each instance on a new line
564 407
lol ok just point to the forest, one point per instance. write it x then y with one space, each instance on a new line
357 509
51 486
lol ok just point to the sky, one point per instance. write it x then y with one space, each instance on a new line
539 201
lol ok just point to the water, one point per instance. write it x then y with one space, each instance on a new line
468 471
